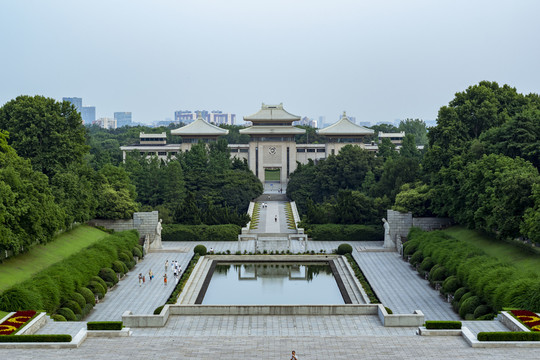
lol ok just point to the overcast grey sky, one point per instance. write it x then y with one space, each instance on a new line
378 60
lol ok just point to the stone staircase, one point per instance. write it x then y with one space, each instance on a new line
351 283
195 283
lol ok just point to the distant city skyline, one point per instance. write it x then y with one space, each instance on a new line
377 60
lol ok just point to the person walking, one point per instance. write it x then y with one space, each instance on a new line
150 275
294 356
165 280
140 279
166 265
275 218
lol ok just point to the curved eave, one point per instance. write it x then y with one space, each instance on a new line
199 128
272 115
345 127
272 130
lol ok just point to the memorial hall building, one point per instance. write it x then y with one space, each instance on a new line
272 152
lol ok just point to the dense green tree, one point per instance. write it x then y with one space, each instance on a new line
415 127
416 198
530 227
491 194
47 132
74 189
408 148
28 213
116 194
518 137
476 110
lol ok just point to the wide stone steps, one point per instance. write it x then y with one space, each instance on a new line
351 283
193 286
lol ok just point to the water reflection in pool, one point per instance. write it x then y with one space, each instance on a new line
272 284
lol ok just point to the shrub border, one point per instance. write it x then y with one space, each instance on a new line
104 325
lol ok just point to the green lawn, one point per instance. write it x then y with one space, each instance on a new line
518 257
23 266
2 314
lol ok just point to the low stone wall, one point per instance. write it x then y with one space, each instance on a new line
400 320
319 310
510 322
130 320
431 223
400 224
37 323
144 222
395 320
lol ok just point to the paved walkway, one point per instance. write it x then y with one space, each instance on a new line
400 288
243 325
275 347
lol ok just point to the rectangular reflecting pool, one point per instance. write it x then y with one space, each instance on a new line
272 284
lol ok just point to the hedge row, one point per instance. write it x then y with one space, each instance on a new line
481 284
36 338
104 325
178 232
509 336
338 232
443 324
56 285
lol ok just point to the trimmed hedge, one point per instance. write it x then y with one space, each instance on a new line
179 232
427 264
450 285
200 249
67 313
74 306
108 275
344 249
339 232
88 295
481 310
157 310
509 336
104 325
56 284
58 317
36 338
136 252
417 258
119 267
443 324
469 306
79 299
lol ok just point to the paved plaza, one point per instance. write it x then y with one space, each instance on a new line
273 337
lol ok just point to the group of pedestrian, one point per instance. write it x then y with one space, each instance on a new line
175 267
142 278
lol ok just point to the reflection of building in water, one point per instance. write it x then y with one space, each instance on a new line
275 271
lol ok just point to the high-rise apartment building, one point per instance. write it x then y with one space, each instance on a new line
122 118
77 102
106 123
88 114
214 117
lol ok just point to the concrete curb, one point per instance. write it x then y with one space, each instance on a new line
438 332
76 341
